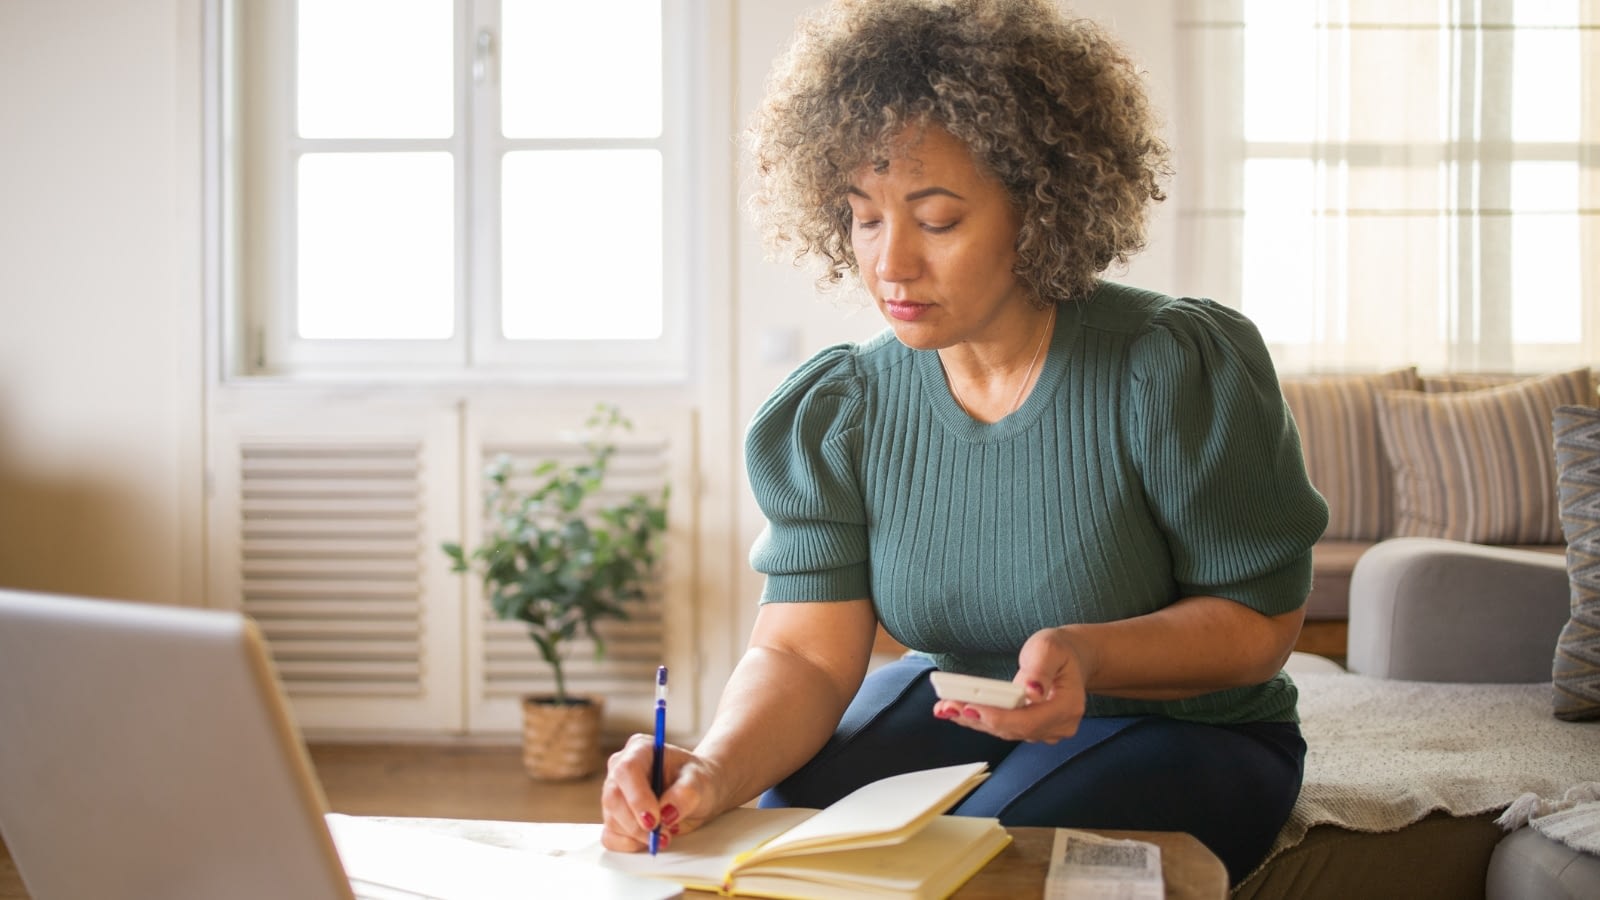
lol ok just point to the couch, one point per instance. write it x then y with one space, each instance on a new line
1440 722
1398 454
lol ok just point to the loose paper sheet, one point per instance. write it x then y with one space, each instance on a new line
390 860
1086 866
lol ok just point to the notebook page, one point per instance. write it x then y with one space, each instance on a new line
882 812
702 857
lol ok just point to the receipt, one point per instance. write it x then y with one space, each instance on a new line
1086 866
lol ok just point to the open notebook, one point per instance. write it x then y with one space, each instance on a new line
887 839
148 752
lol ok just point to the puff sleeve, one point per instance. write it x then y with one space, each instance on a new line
801 451
1220 458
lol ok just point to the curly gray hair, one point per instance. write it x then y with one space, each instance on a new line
1049 105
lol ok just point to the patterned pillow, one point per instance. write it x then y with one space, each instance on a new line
1577 665
1338 422
1478 465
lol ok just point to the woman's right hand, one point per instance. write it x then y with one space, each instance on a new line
630 808
804 663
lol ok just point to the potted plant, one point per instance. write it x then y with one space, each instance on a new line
559 561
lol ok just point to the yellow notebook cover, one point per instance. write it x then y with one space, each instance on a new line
887 839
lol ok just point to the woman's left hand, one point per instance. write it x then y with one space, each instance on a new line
1052 677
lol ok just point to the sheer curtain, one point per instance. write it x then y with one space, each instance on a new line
1393 182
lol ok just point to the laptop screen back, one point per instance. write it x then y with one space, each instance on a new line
146 752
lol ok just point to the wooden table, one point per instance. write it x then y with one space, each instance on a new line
1190 871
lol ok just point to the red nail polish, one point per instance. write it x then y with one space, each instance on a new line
970 713
669 814
1037 687
648 820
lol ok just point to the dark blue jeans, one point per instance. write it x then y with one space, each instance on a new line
1231 786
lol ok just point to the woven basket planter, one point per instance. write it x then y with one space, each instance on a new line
561 742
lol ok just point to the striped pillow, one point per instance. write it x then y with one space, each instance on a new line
1471 381
1478 465
1338 422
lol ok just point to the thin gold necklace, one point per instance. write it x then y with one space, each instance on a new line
1016 402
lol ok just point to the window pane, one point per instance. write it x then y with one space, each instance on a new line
1546 78
581 252
1278 248
1533 13
1280 71
376 246
375 68
1545 276
590 69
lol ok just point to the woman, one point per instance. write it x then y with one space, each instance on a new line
1089 490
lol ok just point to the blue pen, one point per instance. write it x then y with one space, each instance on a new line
658 749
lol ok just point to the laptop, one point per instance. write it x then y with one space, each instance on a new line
147 751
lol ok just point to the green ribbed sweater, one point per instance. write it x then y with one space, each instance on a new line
1154 459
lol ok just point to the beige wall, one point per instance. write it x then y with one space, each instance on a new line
100 296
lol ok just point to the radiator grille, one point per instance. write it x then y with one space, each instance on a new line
330 540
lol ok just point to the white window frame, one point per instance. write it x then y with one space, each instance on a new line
259 339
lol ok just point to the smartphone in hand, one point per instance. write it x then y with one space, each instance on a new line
972 689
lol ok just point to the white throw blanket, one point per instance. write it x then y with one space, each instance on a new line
1384 754
1573 820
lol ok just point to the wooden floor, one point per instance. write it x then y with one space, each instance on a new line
1325 638
448 781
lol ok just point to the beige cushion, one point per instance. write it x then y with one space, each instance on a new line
1332 561
1337 418
1478 465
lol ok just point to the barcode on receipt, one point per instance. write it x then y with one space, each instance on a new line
1121 856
